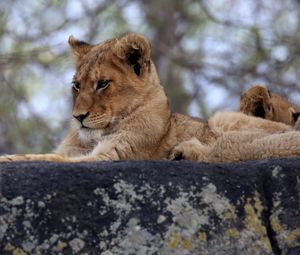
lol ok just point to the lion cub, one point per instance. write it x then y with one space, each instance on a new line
120 112
260 102
242 137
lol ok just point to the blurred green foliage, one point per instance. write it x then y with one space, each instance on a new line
206 52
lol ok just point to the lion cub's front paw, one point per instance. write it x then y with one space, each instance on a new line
191 150
6 158
32 157
176 153
13 157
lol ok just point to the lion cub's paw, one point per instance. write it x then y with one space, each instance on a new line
32 157
190 150
6 158
10 158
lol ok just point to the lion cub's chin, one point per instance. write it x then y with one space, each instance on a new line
90 135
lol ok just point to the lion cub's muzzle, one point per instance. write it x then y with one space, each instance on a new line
89 120
81 118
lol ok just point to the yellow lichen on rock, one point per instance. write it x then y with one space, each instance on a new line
230 214
19 251
253 221
9 247
233 233
61 245
14 250
188 244
202 236
174 240
257 203
293 238
275 223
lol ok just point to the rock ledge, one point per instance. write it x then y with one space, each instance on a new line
150 207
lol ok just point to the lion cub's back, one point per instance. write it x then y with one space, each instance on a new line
237 121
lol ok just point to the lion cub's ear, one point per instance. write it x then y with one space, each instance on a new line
78 47
294 115
135 50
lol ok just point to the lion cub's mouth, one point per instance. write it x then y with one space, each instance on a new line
84 127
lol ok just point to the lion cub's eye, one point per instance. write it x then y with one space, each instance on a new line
76 85
102 84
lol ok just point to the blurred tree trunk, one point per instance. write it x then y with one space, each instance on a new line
164 18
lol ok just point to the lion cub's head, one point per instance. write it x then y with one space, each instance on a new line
258 101
112 79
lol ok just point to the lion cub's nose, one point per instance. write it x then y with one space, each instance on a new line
81 117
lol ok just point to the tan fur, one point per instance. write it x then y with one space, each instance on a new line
240 145
241 137
130 118
254 133
258 101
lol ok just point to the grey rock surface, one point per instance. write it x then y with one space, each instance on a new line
150 207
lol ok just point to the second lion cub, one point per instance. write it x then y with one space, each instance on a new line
242 137
260 102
